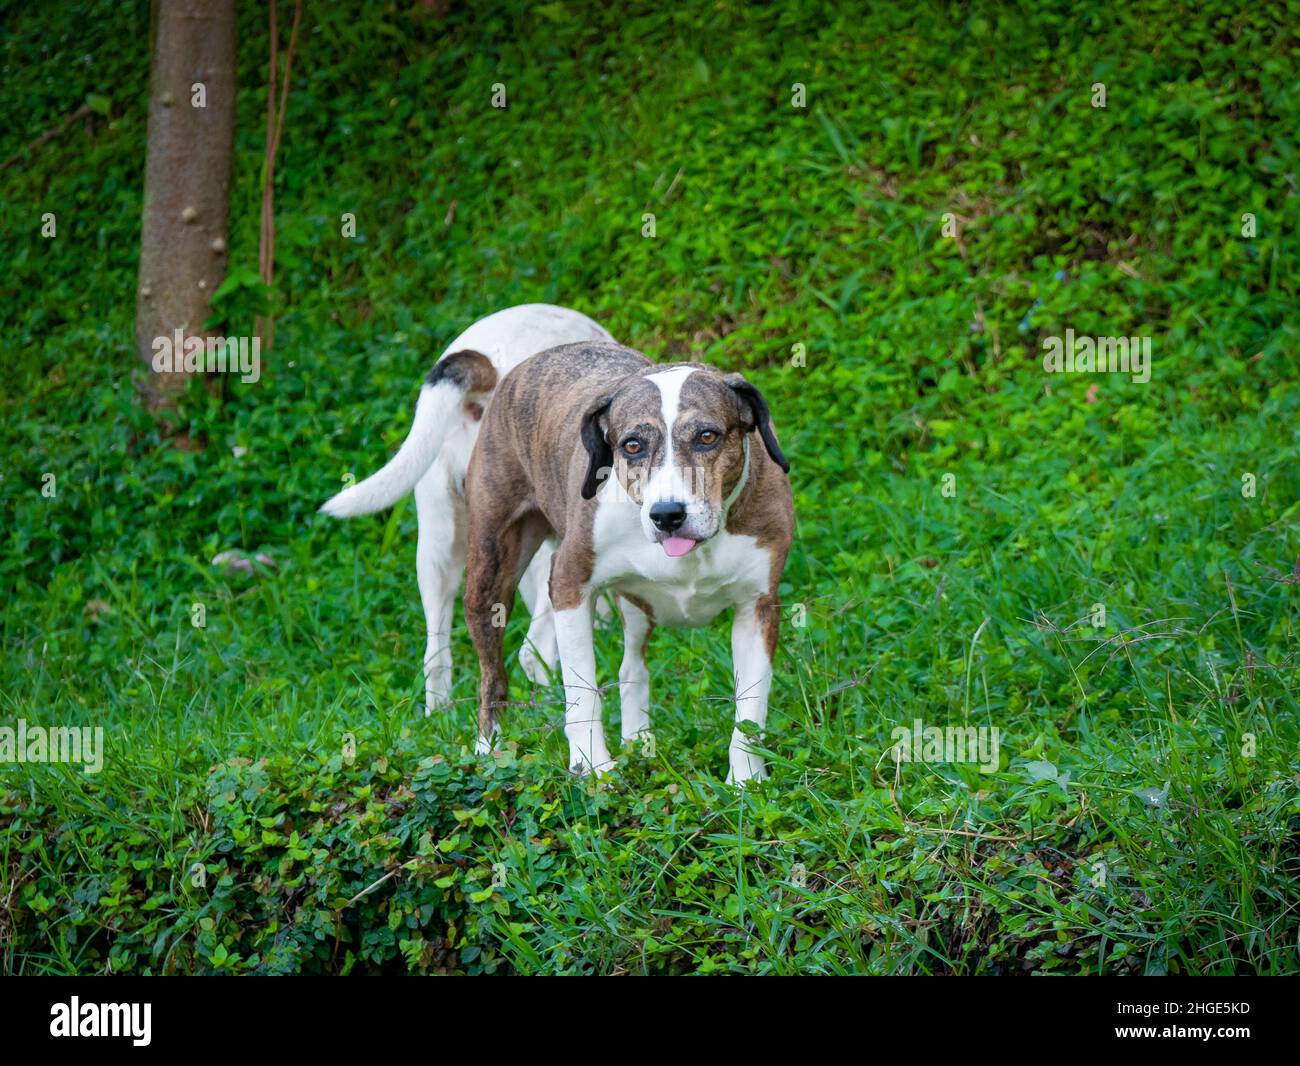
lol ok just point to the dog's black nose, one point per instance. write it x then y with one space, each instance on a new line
668 515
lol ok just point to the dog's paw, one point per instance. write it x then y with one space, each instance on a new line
640 742
436 699
595 778
536 668
601 767
484 745
747 770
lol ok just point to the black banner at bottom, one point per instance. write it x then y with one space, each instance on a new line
142 1015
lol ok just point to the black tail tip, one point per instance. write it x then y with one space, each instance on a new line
467 370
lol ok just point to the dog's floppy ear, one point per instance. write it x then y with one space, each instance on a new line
754 415
598 449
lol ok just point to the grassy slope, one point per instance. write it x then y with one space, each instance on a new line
775 227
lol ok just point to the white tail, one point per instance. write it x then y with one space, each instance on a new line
434 411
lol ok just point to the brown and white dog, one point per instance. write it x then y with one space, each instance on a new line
641 479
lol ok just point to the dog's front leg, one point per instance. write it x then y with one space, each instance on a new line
582 715
633 677
753 642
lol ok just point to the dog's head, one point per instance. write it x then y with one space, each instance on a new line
677 439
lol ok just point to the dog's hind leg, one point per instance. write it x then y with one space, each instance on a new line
500 547
539 654
439 562
633 677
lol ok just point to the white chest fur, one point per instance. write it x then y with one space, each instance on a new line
726 570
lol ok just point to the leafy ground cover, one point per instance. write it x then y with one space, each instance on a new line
272 798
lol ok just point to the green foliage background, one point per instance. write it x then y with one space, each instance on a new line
1145 814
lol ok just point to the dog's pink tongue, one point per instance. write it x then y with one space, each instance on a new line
677 546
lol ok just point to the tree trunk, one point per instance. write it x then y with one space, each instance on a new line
186 183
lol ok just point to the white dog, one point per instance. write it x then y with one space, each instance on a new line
433 460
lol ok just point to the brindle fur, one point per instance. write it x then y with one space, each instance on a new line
526 477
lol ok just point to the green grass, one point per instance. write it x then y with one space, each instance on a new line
1160 749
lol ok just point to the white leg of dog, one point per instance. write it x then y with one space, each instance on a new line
633 677
753 672
439 562
582 715
539 654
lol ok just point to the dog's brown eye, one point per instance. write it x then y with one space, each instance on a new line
708 437
631 446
